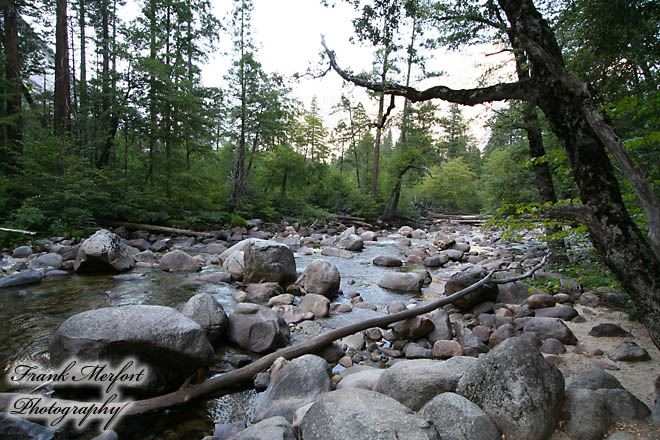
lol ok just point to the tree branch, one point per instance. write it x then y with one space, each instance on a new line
314 345
523 90
573 212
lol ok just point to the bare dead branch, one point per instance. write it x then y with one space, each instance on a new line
523 90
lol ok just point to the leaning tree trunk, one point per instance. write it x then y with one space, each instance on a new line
566 102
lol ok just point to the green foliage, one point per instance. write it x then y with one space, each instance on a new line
453 187
506 180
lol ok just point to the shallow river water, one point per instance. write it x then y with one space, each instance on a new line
30 315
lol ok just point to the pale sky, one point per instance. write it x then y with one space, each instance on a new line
288 35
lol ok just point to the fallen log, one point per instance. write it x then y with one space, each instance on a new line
161 229
314 345
18 231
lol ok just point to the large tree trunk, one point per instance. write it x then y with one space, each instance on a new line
62 117
566 103
13 104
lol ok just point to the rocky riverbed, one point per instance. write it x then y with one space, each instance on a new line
241 293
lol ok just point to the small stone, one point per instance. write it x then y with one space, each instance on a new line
608 330
443 349
629 351
374 334
346 362
552 346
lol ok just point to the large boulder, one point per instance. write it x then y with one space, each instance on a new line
322 278
588 416
354 413
172 345
415 382
461 280
209 314
517 388
234 264
104 252
402 281
296 384
178 261
27 277
266 260
241 246
457 418
258 328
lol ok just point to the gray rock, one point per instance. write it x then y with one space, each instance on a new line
140 243
608 330
540 301
334 252
293 315
552 346
415 351
178 261
365 379
517 388
274 428
162 245
269 261
322 278
565 313
405 231
209 314
317 304
172 345
227 431
435 261
501 334
512 293
456 418
369 236
387 261
216 277
296 384
472 346
402 282
16 428
594 379
47 262
415 382
354 413
442 240
588 416
461 280
234 264
623 405
655 414
216 248
261 291
27 277
241 246
546 328
281 300
104 252
614 298
629 351
351 242
355 342
147 257
418 234
589 299
446 349
453 254
258 328
22 252
412 328
442 329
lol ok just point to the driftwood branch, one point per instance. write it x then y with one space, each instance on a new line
314 345
161 229
18 231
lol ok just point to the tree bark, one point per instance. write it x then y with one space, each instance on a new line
13 101
62 118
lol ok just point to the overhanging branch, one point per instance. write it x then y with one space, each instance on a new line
523 90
